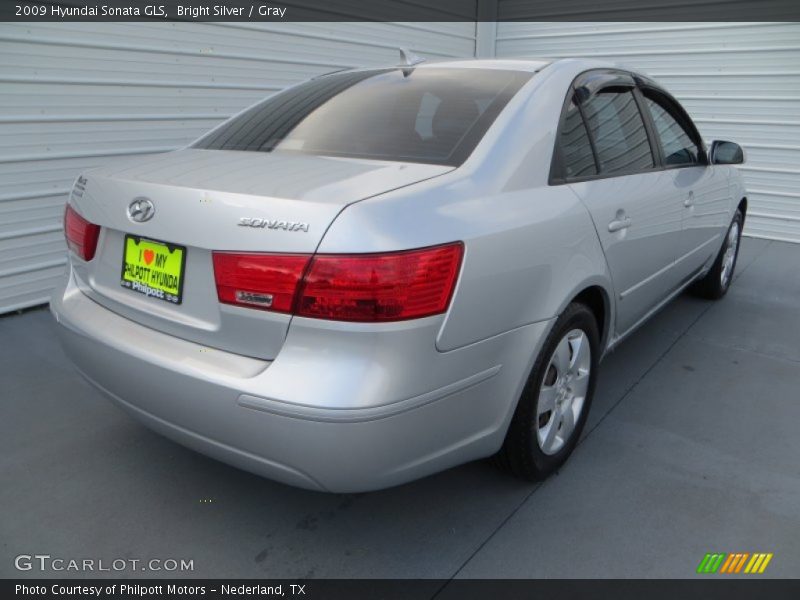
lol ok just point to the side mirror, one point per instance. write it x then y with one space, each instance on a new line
726 153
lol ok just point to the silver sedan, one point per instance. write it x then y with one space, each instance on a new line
378 274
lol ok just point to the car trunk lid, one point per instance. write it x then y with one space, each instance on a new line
209 200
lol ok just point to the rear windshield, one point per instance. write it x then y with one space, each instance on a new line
430 115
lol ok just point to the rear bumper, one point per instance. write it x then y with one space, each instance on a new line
345 409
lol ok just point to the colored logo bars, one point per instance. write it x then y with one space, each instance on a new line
735 562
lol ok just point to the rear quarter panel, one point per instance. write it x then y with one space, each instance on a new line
527 251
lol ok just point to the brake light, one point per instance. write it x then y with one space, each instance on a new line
81 235
380 287
346 287
267 281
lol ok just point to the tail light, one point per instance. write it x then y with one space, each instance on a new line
380 287
81 235
267 281
349 287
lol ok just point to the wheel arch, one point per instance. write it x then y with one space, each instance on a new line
598 296
597 299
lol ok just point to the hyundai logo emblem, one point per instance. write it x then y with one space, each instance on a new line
141 210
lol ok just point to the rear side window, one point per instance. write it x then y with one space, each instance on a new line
576 149
432 115
618 132
676 143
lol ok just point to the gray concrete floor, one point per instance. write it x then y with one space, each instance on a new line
693 446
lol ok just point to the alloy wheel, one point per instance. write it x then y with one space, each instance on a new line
563 391
729 258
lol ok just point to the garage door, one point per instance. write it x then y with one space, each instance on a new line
739 81
76 95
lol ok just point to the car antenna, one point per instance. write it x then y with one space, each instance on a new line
408 59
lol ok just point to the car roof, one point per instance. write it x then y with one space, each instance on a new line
530 65
507 64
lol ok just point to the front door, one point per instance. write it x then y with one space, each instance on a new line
703 190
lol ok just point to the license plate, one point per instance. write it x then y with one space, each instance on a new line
153 268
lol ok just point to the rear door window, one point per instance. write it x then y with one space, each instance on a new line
577 157
618 132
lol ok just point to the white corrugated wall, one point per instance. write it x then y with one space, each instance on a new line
75 95
739 81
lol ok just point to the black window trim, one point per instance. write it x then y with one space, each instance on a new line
650 128
600 79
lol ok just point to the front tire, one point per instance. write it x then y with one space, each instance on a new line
718 280
554 405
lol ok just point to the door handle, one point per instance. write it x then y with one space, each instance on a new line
619 224
689 200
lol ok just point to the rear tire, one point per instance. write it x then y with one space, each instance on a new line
552 411
718 280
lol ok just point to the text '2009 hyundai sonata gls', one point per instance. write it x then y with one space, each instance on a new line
381 273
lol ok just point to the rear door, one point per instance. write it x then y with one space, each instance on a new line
608 160
702 190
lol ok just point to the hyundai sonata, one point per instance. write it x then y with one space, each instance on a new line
378 274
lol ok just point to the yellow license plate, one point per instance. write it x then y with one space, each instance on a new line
153 268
